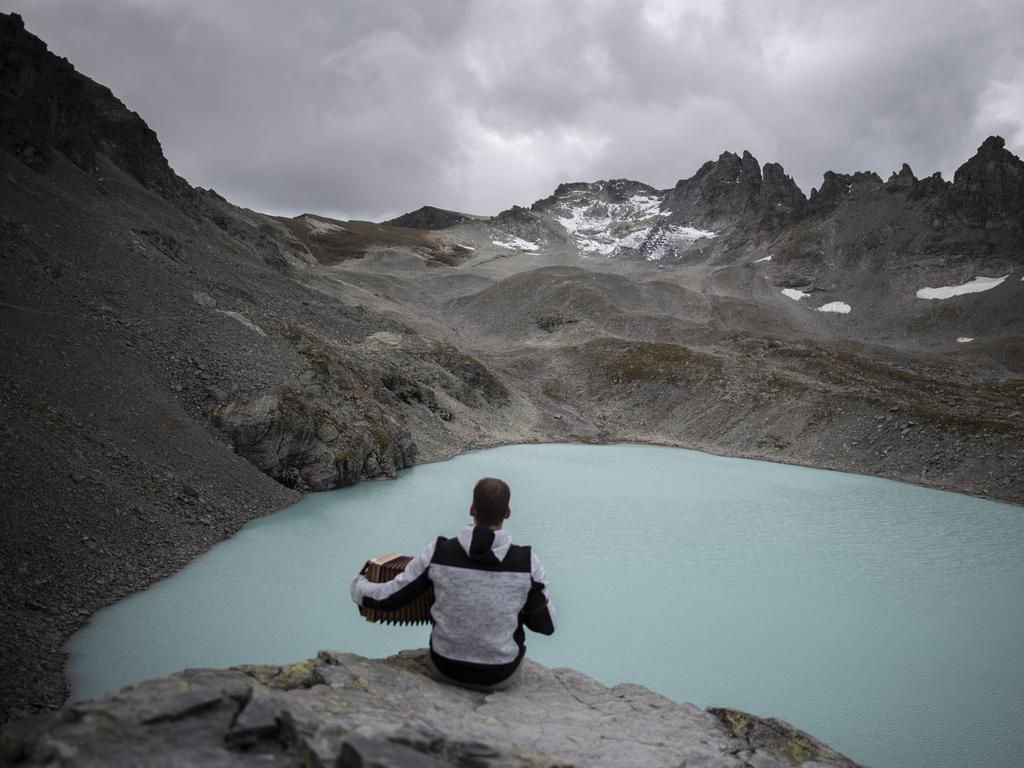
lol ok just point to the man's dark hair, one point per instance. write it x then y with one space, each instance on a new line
490 497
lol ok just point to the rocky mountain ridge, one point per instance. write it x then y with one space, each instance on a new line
735 199
179 365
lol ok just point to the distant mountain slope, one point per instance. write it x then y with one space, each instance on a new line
429 217
332 241
857 246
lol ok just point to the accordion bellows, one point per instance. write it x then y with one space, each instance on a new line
385 568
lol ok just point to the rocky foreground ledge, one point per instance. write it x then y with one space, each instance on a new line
344 710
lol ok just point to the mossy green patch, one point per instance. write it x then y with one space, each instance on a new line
382 438
800 750
653 361
292 404
737 722
298 675
262 673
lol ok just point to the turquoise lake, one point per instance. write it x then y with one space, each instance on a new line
883 618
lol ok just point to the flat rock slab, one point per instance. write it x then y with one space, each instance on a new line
344 710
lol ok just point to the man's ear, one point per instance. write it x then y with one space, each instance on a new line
472 511
508 511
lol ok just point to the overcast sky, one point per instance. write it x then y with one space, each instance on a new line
369 109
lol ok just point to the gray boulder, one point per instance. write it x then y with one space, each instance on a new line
340 709
310 442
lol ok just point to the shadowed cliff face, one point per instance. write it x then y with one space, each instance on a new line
178 365
46 107
344 710
988 190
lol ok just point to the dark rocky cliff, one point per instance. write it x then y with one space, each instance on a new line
46 107
988 190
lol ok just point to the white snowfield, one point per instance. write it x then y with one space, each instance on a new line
766 258
691 233
321 227
663 242
516 244
605 227
964 339
794 294
841 307
977 285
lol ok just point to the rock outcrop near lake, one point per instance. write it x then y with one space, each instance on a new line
176 366
347 711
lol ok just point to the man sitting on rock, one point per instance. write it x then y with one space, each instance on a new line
486 589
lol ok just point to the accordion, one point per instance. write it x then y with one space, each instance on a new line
385 568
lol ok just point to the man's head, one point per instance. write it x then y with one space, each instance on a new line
490 502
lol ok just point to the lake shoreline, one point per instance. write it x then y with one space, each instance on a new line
668 442
56 626
798 592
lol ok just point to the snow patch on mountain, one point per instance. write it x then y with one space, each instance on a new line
794 294
840 307
607 218
766 258
516 244
964 339
977 285
604 227
660 242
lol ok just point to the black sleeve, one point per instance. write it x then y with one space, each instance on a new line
536 614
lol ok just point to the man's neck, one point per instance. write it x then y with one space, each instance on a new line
497 527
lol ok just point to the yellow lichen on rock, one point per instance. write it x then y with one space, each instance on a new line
298 675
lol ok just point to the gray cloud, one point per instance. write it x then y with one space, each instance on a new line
368 109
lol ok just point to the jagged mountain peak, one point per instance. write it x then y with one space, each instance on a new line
732 204
46 106
729 168
992 145
735 191
989 188
835 187
902 179
992 159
